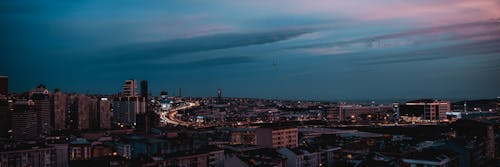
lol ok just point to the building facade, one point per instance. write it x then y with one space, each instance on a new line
277 137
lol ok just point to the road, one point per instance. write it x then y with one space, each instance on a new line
169 116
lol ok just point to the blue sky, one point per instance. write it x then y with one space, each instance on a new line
328 50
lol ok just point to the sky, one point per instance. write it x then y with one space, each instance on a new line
286 49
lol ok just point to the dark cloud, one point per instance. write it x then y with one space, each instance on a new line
487 47
162 49
485 29
196 64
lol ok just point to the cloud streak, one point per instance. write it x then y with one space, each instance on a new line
163 49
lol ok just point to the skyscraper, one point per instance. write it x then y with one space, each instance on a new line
40 97
130 88
59 106
144 88
24 120
80 112
93 112
104 113
125 109
4 85
219 93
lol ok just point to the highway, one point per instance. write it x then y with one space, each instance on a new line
169 116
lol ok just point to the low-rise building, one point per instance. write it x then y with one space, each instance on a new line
275 136
79 149
301 157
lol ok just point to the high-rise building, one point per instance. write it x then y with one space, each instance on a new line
125 109
80 112
130 88
59 109
24 120
93 112
104 113
40 97
144 88
4 85
219 93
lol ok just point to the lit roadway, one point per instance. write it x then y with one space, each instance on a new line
169 116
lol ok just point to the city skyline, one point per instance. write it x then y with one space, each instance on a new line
328 50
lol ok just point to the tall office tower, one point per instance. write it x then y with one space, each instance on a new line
93 112
144 88
219 93
125 109
40 97
59 108
24 120
4 85
80 112
219 96
104 113
130 88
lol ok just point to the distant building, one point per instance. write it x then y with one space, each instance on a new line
431 157
61 153
243 136
94 114
125 109
34 156
355 112
130 88
5 117
300 157
24 120
124 150
248 155
275 136
146 121
219 97
104 106
333 115
80 112
59 110
200 158
144 89
4 85
426 109
40 97
219 93
79 149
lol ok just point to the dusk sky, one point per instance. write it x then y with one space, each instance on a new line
323 50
